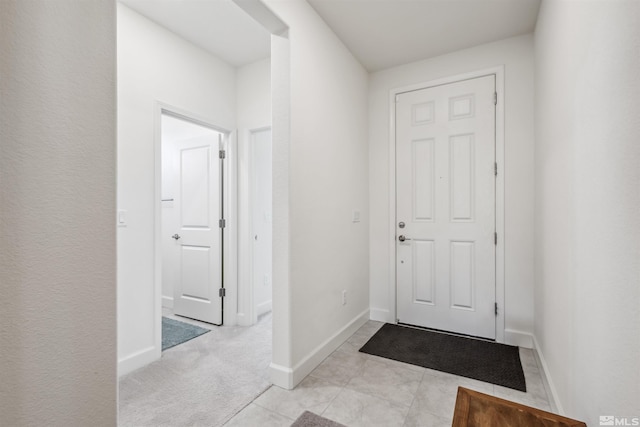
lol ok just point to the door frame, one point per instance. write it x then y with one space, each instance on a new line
247 313
498 72
229 196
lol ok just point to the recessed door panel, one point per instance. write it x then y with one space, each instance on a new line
424 271
423 179
462 181
196 276
462 275
194 186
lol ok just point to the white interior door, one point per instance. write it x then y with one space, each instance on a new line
261 219
197 236
445 177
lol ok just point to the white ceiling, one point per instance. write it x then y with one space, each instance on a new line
386 33
380 33
218 26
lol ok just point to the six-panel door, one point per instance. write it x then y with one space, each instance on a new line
445 156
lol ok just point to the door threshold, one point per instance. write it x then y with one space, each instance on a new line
441 331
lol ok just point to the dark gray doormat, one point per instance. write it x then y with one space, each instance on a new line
472 358
309 419
175 332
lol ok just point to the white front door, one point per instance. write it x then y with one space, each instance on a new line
445 207
198 235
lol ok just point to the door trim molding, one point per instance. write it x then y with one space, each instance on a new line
247 311
229 242
498 71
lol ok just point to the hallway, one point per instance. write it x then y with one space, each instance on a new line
201 382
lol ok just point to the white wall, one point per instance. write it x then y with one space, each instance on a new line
517 56
327 180
57 213
253 92
254 95
281 366
587 300
153 65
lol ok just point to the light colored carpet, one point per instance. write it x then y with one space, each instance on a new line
203 382
309 419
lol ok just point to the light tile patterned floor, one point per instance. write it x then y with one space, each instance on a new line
358 389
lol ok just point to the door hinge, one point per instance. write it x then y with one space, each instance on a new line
495 98
222 292
495 169
495 238
223 154
496 308
222 223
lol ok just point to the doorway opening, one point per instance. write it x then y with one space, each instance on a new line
192 217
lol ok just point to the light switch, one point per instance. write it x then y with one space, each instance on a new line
122 218
356 216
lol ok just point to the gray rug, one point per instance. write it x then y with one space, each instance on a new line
175 332
468 357
309 419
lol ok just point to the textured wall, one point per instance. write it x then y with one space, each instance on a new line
587 299
57 213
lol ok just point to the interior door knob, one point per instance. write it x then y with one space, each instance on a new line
176 236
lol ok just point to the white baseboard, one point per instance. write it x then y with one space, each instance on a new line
243 320
167 302
554 401
289 378
138 360
264 307
518 338
381 315
281 376
313 359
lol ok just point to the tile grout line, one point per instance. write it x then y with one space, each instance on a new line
332 400
404 422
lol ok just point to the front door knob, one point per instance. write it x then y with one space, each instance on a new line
176 236
403 238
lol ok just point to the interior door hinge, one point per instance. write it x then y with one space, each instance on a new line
222 223
495 168
222 292
495 238
496 308
223 154
495 98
